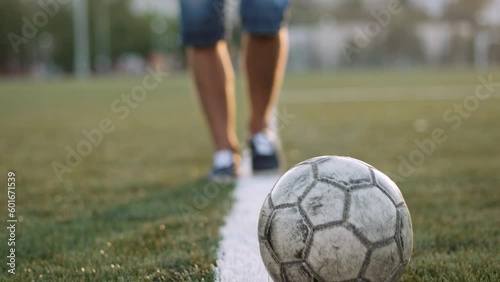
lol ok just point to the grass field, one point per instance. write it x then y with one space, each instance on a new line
136 209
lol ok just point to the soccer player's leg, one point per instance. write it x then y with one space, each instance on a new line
210 64
265 56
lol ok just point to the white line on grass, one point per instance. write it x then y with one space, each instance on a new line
239 255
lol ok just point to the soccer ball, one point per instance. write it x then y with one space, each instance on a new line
335 219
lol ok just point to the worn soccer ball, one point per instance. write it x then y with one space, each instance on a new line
335 219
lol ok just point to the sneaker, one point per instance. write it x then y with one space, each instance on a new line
264 148
224 168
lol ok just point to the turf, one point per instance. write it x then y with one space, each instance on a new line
135 209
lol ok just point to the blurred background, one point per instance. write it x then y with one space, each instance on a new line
371 79
59 37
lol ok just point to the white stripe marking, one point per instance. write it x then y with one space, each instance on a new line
239 254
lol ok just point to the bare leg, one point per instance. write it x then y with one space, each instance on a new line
214 78
264 61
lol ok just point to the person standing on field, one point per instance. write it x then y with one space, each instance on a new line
265 52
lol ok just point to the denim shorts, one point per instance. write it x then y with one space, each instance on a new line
202 21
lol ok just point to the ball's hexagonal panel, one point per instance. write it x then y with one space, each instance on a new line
297 273
384 261
389 187
336 254
265 214
373 214
346 171
288 233
292 185
324 203
272 266
405 237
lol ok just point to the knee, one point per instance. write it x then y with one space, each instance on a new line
203 49
264 36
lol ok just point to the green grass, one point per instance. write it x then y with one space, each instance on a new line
133 209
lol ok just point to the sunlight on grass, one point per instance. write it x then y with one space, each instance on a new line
133 209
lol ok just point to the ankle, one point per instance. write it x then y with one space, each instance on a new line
265 132
225 158
257 127
229 146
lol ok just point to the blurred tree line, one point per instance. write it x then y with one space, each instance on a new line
52 43
399 42
129 32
